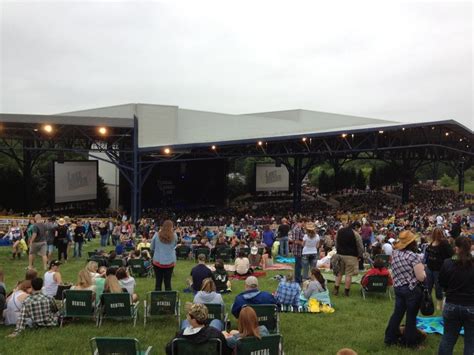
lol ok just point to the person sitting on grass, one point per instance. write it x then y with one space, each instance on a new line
3 290
220 278
254 257
15 301
242 265
288 292
92 267
251 295
199 273
316 288
197 330
52 279
247 327
208 293
378 269
38 310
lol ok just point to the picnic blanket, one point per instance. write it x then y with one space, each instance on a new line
432 325
279 267
256 274
285 260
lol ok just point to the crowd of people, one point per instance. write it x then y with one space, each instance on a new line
422 250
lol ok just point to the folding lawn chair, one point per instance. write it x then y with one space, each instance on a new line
204 250
216 311
224 253
182 252
59 293
117 346
161 303
117 306
376 284
78 304
267 315
137 268
269 344
116 263
181 346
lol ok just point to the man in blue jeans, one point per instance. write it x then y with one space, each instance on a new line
297 238
283 231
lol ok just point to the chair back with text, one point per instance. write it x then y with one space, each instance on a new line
162 303
181 346
267 315
117 346
266 345
78 303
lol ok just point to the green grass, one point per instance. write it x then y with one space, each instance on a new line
356 324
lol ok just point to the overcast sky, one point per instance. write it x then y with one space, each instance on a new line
406 61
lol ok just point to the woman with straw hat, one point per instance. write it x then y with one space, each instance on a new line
408 272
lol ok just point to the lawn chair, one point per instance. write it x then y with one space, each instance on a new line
91 254
269 344
59 293
385 258
161 303
224 253
117 306
100 260
78 304
116 263
204 250
137 268
182 252
376 284
216 311
181 346
117 346
267 315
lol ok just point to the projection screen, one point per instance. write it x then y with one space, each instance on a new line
271 178
75 181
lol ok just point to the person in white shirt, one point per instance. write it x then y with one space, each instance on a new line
52 279
242 265
387 246
439 220
310 248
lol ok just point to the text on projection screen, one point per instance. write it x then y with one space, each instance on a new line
75 181
271 178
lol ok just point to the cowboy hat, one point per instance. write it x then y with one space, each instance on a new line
404 239
61 221
310 226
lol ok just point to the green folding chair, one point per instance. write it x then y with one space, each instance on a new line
216 311
78 304
117 306
204 250
117 346
182 252
224 253
385 258
137 268
116 263
378 285
100 260
269 344
181 346
267 315
162 303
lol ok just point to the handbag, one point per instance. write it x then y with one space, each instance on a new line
427 305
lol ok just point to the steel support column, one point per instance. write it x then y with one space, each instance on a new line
461 176
297 179
135 213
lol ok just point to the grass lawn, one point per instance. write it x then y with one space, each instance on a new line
356 324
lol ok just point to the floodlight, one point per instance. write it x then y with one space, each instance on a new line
48 128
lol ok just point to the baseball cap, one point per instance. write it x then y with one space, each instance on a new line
251 281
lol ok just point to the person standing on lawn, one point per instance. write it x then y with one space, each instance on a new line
349 247
457 278
164 256
37 243
297 238
283 231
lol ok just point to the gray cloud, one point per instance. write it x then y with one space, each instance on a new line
395 60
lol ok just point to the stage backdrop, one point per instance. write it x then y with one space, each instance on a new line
271 178
75 181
